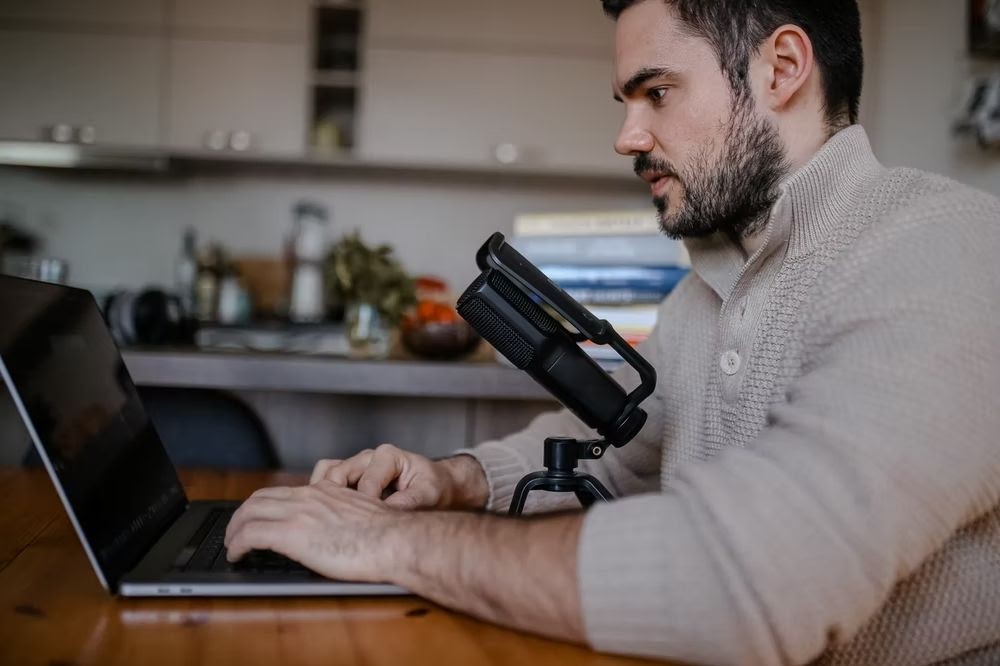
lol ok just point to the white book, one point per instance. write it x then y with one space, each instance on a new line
623 250
610 223
627 317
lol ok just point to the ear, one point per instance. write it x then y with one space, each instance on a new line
788 60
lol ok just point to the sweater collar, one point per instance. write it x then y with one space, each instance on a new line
811 203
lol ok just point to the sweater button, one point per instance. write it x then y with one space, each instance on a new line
730 362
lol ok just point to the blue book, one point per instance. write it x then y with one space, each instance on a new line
617 295
643 278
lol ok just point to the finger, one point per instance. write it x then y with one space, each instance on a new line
386 465
260 508
255 535
277 492
414 497
321 468
348 472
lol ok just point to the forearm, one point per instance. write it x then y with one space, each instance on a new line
520 573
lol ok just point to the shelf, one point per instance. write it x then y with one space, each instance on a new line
314 162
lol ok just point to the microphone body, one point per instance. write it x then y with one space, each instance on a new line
534 341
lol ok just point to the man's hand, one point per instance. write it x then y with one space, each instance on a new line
407 480
519 572
336 532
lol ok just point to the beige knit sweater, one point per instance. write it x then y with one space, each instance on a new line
819 477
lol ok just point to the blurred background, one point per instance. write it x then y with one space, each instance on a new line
314 177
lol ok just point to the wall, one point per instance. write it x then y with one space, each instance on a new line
126 230
920 66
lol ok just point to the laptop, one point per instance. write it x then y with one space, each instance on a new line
142 535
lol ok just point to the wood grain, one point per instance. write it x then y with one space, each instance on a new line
54 611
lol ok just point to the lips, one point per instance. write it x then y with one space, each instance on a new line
658 182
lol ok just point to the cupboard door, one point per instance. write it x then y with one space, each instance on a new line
222 89
108 82
268 19
113 13
549 26
487 109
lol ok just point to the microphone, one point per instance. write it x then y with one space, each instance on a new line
499 304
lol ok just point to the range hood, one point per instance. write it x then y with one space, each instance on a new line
74 156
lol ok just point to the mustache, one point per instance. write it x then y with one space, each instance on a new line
646 163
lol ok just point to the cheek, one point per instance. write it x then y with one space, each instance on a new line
697 130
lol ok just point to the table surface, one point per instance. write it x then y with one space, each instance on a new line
54 611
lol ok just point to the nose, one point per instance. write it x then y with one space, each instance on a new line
633 138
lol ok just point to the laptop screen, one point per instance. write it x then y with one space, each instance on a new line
68 379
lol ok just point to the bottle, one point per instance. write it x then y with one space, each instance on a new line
207 285
186 273
308 244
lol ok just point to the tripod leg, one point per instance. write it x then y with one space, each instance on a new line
585 497
591 491
525 486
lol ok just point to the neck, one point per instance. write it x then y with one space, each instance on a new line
803 137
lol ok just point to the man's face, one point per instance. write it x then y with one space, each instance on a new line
713 163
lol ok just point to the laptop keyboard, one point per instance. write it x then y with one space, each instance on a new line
207 552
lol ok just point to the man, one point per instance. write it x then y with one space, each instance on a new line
819 477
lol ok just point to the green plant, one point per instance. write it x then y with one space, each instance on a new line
357 273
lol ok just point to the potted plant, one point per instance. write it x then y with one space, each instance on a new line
370 286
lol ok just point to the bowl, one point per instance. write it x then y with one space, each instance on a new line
440 340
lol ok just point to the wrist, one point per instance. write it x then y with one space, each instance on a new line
468 488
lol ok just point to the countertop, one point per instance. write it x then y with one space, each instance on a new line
246 371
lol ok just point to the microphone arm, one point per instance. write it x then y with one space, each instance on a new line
502 305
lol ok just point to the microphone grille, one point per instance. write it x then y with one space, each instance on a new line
542 320
492 326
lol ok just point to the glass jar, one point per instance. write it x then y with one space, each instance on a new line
367 332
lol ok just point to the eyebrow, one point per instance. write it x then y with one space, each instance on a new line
642 76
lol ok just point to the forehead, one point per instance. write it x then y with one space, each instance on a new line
650 34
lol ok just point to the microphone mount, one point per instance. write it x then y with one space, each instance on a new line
562 454
502 305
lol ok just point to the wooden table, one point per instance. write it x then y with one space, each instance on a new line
53 611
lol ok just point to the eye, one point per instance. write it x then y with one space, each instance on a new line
657 95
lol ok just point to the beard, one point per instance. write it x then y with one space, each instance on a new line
736 192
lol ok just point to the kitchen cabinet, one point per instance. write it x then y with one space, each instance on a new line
528 26
107 83
286 20
442 107
237 96
128 14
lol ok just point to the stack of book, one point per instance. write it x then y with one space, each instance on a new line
617 264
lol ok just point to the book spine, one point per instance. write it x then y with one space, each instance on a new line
617 295
656 250
647 278
641 222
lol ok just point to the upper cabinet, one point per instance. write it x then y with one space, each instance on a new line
237 96
480 82
439 107
105 13
88 88
238 76
269 20
476 83
546 26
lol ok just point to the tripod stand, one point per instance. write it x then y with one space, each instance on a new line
562 454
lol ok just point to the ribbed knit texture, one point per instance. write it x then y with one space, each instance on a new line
834 495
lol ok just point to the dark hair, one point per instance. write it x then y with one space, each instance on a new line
736 28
